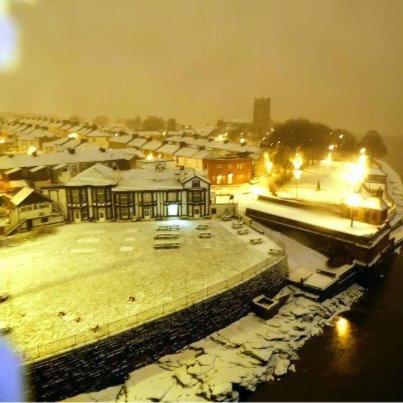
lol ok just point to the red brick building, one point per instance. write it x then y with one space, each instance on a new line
228 171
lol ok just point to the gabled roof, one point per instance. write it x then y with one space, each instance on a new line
168 148
137 142
28 195
97 175
187 152
191 174
152 145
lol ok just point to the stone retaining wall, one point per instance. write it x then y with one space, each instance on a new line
108 361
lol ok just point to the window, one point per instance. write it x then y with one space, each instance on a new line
195 183
219 179
124 198
218 166
44 219
100 195
196 196
43 205
172 197
147 197
75 196
124 213
26 208
84 214
83 194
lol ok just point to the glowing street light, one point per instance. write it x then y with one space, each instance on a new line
73 136
267 163
297 162
149 157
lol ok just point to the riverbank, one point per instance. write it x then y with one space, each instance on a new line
236 358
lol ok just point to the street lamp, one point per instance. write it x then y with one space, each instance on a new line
297 164
353 201
297 175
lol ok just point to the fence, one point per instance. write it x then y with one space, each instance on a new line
140 318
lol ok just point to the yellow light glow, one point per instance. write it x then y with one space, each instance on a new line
342 327
297 161
297 174
267 163
258 190
149 157
354 200
2 140
328 160
242 141
73 136
32 150
331 147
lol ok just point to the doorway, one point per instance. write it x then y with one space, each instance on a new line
173 210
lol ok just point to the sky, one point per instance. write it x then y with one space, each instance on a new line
335 61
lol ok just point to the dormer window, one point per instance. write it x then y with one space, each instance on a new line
195 183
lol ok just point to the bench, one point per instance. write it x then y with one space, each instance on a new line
204 235
166 245
237 225
275 252
168 228
243 231
226 218
256 241
202 227
167 236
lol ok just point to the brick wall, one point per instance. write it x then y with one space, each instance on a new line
109 361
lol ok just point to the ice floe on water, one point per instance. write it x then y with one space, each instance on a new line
240 356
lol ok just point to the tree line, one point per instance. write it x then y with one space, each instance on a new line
150 123
314 139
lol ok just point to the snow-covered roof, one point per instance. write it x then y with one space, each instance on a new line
56 142
21 195
137 142
187 152
98 133
83 153
168 148
151 179
121 139
36 169
152 145
97 175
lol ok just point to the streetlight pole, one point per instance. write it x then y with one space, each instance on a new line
351 216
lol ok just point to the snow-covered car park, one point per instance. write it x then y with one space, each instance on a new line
82 276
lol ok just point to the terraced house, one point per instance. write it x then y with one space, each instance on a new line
101 193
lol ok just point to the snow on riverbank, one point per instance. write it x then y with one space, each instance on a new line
242 355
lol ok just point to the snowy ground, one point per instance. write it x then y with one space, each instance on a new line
246 353
333 179
89 271
318 218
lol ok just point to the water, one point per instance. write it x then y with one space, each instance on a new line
361 358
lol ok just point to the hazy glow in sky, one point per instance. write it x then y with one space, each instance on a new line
335 61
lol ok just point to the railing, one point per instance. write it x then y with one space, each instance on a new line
140 318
